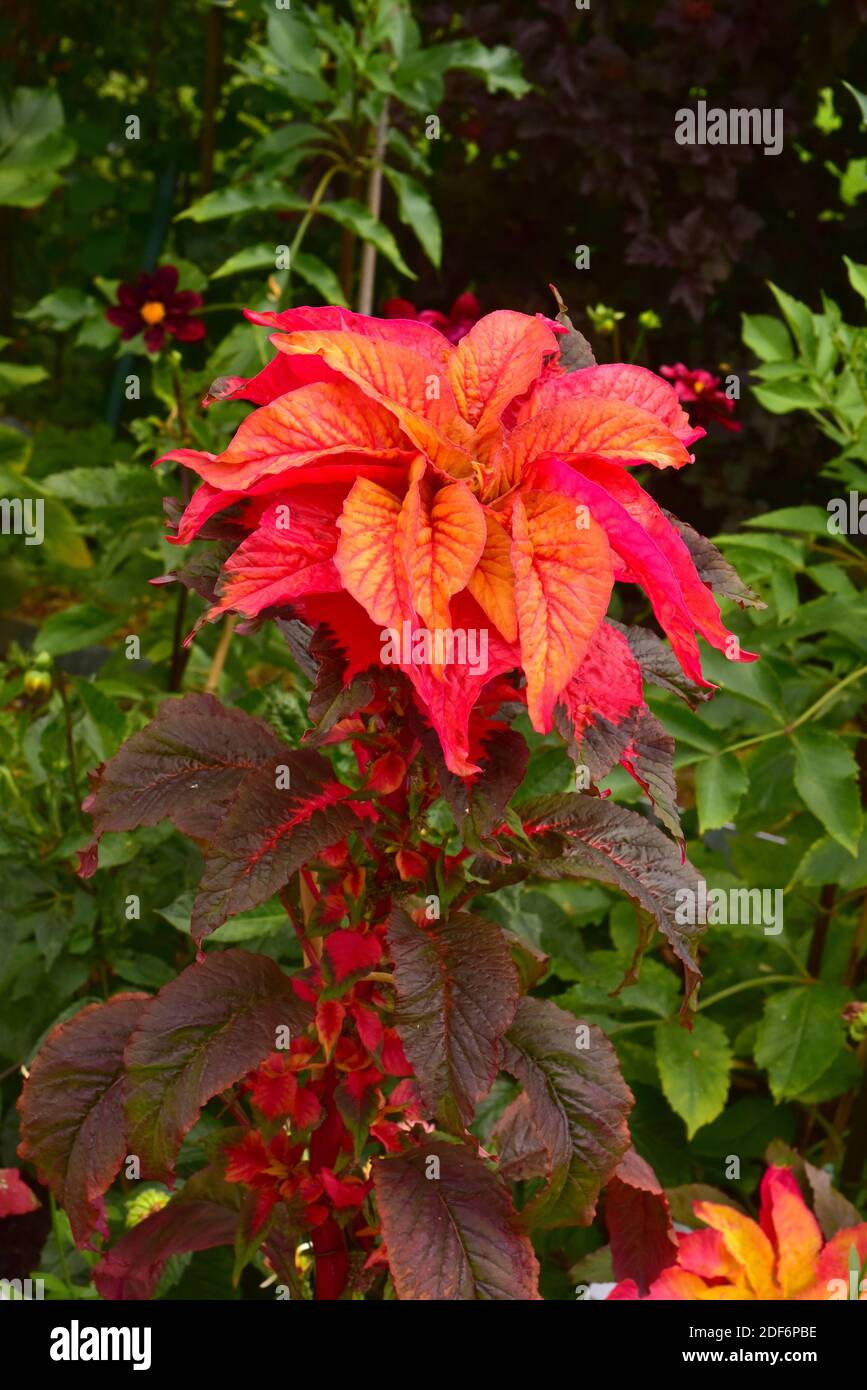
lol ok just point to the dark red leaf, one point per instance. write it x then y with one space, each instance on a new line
450 1228
267 833
184 767
204 1031
587 837
72 1121
206 1213
577 1103
457 990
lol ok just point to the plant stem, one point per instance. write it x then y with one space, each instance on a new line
789 728
374 207
61 1249
72 766
220 654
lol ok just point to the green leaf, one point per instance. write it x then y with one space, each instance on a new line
800 1035
857 277
321 277
62 309
416 210
33 147
767 336
813 521
784 397
348 212
826 779
231 202
860 98
82 625
15 376
694 1070
826 861
800 320
719 785
258 257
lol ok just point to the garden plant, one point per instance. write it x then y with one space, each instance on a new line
432 868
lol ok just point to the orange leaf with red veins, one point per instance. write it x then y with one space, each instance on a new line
563 580
496 361
440 544
617 381
329 1020
747 1244
492 583
792 1228
302 427
414 389
605 429
365 555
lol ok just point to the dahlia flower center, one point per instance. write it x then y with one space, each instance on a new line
698 387
153 312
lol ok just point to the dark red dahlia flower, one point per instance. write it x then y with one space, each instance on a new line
700 389
465 311
155 306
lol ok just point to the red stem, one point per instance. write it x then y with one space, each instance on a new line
329 1241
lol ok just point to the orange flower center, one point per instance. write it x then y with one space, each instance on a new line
697 386
153 312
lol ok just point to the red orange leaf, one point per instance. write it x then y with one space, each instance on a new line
413 388
496 361
306 425
365 555
440 541
619 381
16 1198
492 583
290 553
563 579
587 426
